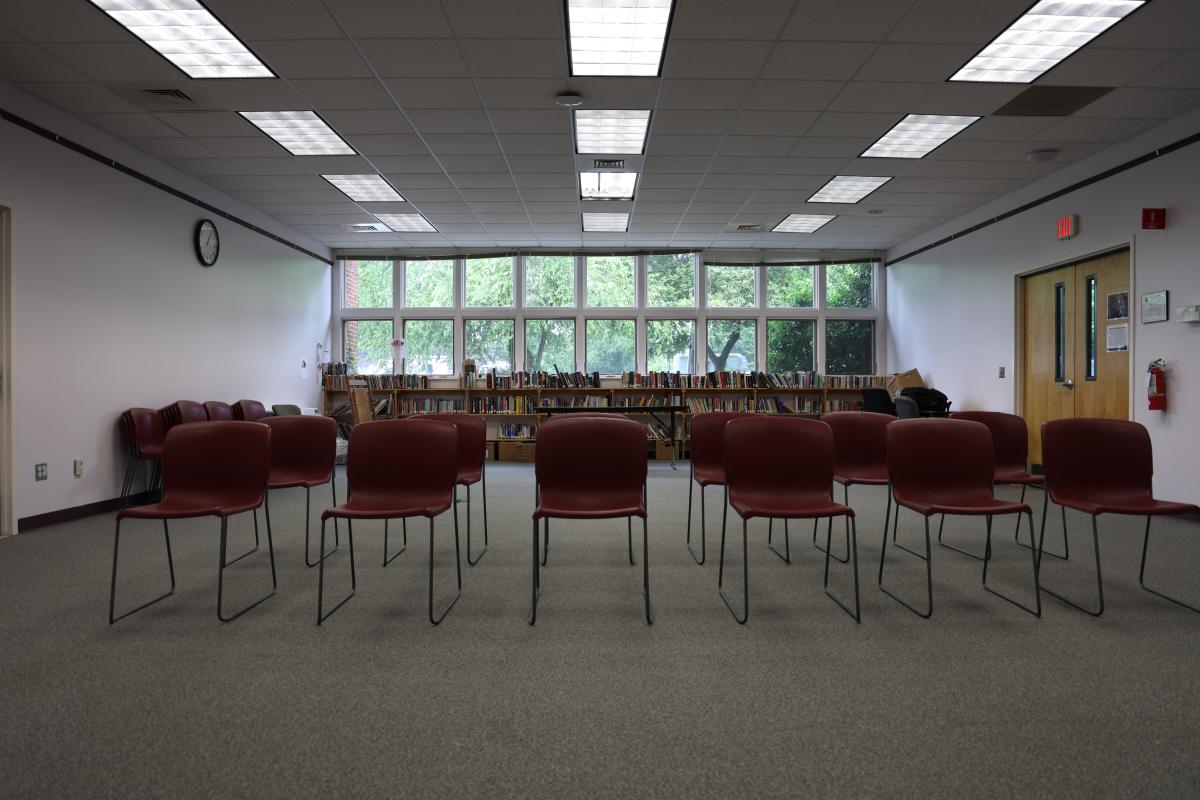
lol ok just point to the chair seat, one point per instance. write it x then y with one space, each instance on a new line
752 503
589 505
1142 505
369 506
958 504
707 476
179 508
287 479
871 474
468 476
1018 476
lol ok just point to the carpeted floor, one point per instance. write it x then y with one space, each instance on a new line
982 700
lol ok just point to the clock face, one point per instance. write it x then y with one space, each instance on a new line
208 243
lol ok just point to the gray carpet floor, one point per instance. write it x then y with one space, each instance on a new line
982 700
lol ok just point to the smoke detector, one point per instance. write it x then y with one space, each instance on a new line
569 100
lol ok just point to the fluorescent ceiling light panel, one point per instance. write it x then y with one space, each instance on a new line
617 37
847 189
1042 37
187 35
406 223
917 135
302 133
801 223
607 185
605 222
365 188
610 131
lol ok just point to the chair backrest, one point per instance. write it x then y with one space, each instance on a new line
472 438
1096 457
940 458
906 408
285 410
708 438
361 407
1010 437
144 427
218 410
303 446
859 438
401 456
767 454
185 411
591 455
931 402
249 410
878 401
226 463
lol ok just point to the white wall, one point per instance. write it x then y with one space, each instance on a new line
111 309
952 311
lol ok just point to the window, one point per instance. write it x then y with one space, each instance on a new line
430 346
731 287
490 343
610 281
791 287
367 346
429 284
731 345
671 280
849 286
670 345
550 345
367 284
550 281
611 346
791 345
1089 367
850 347
1060 332
489 282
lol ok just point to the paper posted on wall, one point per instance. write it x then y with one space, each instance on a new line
1117 338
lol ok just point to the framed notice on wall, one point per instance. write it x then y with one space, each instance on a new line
1154 306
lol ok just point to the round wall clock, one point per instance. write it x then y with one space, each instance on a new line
208 243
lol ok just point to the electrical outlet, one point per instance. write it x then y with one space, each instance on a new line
39 472
1001 372
79 468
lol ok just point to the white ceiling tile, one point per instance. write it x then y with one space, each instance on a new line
682 145
557 121
512 18
873 96
462 143
316 58
79 98
387 144
845 20
224 94
690 122
207 123
1085 129
366 19
1181 72
758 145
474 163
407 164
130 125
450 120
715 59
953 21
810 166
483 180
544 180
432 92
177 147
276 19
343 93
972 99
677 93
792 95
743 164
537 143
427 196
817 61
915 62
515 58
828 147
208 166
668 180
62 21
413 58
410 181
833 123
553 163
239 146
1005 128
334 165
1163 23
1100 66
367 121
550 195
29 62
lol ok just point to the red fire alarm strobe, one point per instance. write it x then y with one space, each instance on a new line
1154 219
1068 226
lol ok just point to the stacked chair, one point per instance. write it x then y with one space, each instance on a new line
144 432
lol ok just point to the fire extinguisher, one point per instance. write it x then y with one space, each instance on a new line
1156 391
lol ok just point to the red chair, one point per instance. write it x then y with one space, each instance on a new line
946 466
766 478
590 468
213 470
144 433
472 448
217 410
860 457
708 466
249 410
397 468
1104 466
185 411
1010 441
303 452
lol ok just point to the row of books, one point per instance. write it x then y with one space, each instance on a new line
777 405
656 430
844 405
503 404
431 405
703 405
531 380
855 381
517 432
575 402
343 382
645 401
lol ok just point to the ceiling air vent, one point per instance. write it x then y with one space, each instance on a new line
366 227
748 228
166 97
608 163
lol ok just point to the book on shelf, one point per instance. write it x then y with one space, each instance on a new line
468 373
703 405
410 406
645 401
503 404
527 432
855 381
656 430
844 405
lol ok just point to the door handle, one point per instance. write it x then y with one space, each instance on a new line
1068 384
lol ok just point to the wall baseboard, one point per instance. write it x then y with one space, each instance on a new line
26 524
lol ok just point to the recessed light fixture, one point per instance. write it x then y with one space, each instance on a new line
406 223
301 133
365 188
185 33
622 131
802 223
917 135
847 189
1042 37
617 37
607 185
595 222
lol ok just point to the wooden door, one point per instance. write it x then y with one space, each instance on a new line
1067 368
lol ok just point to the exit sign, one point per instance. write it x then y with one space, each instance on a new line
1068 226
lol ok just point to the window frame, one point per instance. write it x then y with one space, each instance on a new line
638 352
456 346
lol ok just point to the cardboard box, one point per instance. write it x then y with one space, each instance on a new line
662 449
904 380
516 451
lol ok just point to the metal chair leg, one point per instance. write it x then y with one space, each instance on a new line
127 484
1032 545
745 578
1142 573
1099 577
691 484
927 558
307 523
846 558
457 564
470 560
386 558
852 544
629 535
221 573
252 549
646 569
321 617
786 555
1037 593
534 591
987 554
112 593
